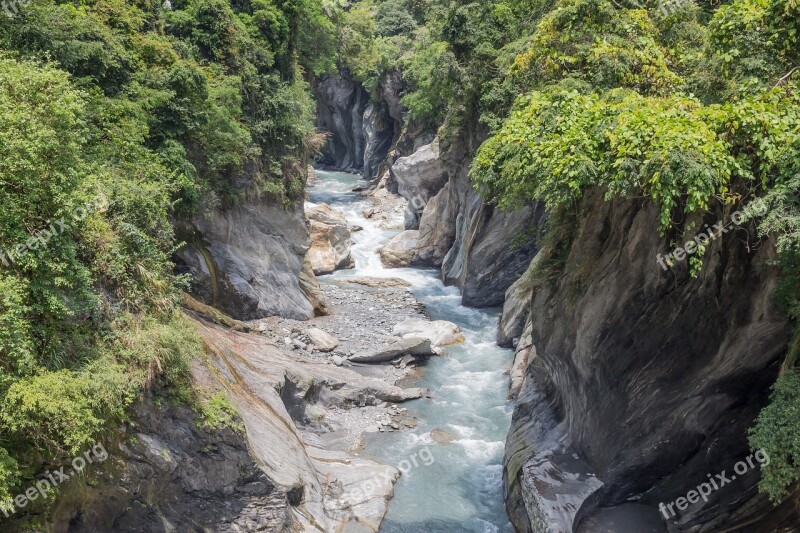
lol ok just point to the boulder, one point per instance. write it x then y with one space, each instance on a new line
400 250
330 240
439 332
419 176
321 340
409 345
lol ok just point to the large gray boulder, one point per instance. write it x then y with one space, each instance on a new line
330 240
247 259
419 177
400 251
322 340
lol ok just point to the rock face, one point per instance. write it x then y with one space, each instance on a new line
419 176
439 332
341 103
170 473
330 240
361 132
247 259
640 382
516 307
378 134
480 249
276 393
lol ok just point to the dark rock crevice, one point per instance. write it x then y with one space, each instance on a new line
361 129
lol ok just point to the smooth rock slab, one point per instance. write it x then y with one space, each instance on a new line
410 345
555 488
439 332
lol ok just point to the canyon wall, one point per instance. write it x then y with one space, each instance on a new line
360 129
247 259
480 249
637 384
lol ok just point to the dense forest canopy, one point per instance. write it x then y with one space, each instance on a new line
117 116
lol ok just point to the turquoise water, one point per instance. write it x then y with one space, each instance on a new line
461 488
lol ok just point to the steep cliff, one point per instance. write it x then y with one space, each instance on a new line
480 249
361 129
638 383
246 259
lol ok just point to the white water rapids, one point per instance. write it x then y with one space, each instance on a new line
461 489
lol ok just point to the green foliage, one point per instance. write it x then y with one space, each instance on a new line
778 434
600 43
555 144
432 71
217 412
116 118
393 18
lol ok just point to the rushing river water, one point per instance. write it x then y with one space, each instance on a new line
461 488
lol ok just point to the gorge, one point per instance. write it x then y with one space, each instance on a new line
400 266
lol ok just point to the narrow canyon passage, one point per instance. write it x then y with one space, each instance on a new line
453 486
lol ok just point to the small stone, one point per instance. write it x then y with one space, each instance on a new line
337 360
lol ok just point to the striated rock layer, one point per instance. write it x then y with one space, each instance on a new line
634 383
247 260
360 131
481 250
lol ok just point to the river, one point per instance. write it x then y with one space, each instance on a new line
458 485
